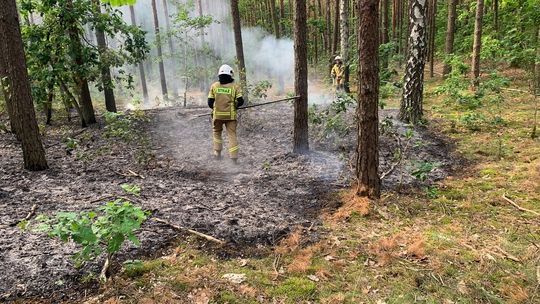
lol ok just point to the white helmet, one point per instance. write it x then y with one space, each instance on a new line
338 58
225 70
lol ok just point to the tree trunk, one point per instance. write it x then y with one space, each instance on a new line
336 29
275 21
432 32
4 87
239 46
18 89
168 27
106 79
411 103
537 64
85 100
344 45
301 141
174 84
162 78
496 16
141 65
477 43
367 151
385 22
450 32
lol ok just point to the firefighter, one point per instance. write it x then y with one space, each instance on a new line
224 98
338 74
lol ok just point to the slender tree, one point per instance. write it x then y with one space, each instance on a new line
450 33
301 141
432 32
239 45
4 89
367 151
106 79
477 43
335 45
275 18
537 64
76 50
344 45
162 78
13 63
141 65
411 103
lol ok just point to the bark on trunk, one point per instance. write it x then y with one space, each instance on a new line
106 79
450 31
300 134
239 46
336 29
411 103
22 106
367 152
162 78
141 65
385 21
496 16
477 43
344 23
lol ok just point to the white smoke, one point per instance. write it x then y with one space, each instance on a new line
267 57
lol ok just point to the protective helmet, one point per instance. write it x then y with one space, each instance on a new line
338 58
225 70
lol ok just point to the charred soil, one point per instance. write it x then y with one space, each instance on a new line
268 194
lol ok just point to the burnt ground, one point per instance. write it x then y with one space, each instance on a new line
257 202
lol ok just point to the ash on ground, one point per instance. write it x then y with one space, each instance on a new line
268 194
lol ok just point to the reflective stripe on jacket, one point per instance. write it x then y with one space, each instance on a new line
225 96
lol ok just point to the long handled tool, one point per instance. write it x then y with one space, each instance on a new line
251 106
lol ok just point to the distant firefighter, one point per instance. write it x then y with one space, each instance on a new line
338 74
224 99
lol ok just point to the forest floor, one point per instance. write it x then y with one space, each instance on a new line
295 233
251 206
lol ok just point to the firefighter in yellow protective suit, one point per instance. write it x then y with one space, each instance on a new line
338 74
224 99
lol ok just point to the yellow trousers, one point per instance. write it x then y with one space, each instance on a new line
230 125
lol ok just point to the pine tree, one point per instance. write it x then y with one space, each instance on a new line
300 134
162 77
477 43
367 152
19 96
450 33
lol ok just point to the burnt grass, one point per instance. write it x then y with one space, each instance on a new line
253 204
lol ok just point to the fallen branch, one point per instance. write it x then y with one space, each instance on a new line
199 234
519 207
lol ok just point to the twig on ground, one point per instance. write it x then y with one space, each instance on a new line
131 174
275 264
180 228
519 207
26 218
105 270
114 197
507 255
207 208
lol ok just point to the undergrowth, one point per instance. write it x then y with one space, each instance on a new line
458 241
